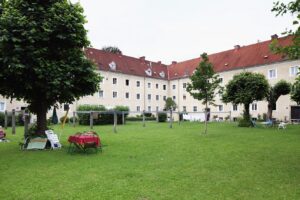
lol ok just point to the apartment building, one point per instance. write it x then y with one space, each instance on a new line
144 85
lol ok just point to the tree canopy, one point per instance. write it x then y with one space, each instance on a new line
204 83
245 88
112 49
41 55
293 50
170 104
295 93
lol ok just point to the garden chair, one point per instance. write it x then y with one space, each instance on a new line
53 138
268 123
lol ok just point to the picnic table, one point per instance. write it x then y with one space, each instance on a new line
84 141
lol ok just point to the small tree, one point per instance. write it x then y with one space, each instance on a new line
280 88
111 49
204 83
293 50
245 88
41 55
295 93
170 104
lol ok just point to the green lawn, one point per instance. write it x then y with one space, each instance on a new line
156 162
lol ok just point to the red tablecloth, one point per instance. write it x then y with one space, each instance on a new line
83 139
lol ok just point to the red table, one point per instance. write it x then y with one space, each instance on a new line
84 141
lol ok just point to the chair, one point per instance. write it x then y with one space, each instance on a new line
52 137
268 123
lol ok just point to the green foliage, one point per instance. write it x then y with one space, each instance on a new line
62 119
112 49
245 88
295 93
148 114
162 117
170 104
41 54
293 50
139 118
204 82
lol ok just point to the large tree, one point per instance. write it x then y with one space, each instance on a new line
280 88
42 60
204 84
293 50
295 93
170 104
245 88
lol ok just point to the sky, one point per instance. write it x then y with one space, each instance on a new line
178 30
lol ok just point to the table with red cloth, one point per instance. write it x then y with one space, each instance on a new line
84 141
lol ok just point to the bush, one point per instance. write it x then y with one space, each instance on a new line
265 116
244 123
2 119
162 117
140 118
148 114
62 119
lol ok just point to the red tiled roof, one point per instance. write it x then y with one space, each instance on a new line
242 57
126 64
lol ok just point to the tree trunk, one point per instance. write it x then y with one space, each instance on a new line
205 130
41 120
270 111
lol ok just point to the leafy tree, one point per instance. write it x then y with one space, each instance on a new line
280 88
204 83
170 104
295 93
1 5
245 88
293 50
41 55
111 49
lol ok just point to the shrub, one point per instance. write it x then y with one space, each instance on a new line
265 116
148 114
244 123
62 119
162 117
2 119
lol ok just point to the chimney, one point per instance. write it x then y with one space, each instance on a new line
142 58
159 62
274 37
174 62
236 47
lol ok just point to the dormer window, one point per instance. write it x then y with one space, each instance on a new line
113 66
148 72
162 74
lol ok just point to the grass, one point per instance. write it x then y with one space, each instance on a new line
156 162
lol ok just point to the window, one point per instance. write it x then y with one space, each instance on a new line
101 94
164 87
184 108
2 106
115 94
127 95
184 85
156 85
165 98
157 97
138 108
254 106
220 108
149 85
149 96
157 108
138 84
114 81
195 108
221 80
149 108
272 73
127 82
294 71
234 107
138 96
184 97
174 87
174 97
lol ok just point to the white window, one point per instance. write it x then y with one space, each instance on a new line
272 74
2 106
195 108
174 97
149 85
138 108
254 106
165 98
184 108
221 80
220 108
157 97
114 81
294 70
184 85
127 82
149 96
184 97
138 96
157 108
234 107
164 87
138 84
101 94
149 108
174 87
127 95
115 94
156 85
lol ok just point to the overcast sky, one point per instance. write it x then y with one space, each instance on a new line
167 30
